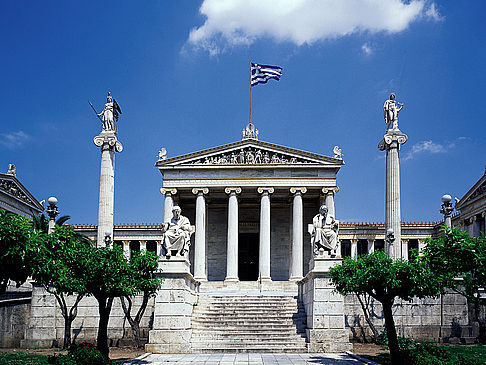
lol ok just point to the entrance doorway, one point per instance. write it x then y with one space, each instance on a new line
248 246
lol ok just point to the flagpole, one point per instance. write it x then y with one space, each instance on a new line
250 91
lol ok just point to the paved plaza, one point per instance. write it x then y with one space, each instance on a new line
245 358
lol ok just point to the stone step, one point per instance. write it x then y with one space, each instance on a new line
268 307
240 336
269 327
249 316
262 348
239 320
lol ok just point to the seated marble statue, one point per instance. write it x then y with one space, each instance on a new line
177 234
324 232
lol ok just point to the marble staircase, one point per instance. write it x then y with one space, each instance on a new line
265 322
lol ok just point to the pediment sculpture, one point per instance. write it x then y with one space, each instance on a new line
249 156
324 232
177 234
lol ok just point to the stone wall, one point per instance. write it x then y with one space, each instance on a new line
14 317
442 319
45 325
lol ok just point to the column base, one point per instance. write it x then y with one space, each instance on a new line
296 278
201 278
231 280
265 279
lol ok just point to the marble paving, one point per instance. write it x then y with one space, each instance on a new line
245 358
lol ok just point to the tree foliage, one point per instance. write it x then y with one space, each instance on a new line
17 247
384 279
460 260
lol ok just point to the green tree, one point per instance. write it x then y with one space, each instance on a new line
143 269
17 248
41 222
106 274
460 260
385 279
55 268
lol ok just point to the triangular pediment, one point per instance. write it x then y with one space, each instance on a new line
11 186
250 151
477 191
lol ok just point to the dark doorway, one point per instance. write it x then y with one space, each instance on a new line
248 256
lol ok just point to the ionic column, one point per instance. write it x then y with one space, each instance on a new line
109 144
264 258
328 199
143 247
405 248
200 235
354 248
483 215
232 247
159 248
126 249
371 245
168 202
391 144
421 245
297 259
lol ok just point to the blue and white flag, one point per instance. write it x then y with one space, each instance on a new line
260 74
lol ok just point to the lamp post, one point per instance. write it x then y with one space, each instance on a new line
52 212
447 209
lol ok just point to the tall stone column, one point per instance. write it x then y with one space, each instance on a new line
232 245
200 236
109 144
143 247
371 245
391 144
329 199
126 249
264 258
405 249
297 259
354 248
168 202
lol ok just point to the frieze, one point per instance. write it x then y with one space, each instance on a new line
479 191
13 189
250 156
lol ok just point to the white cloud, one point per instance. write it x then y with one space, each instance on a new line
427 147
240 22
13 139
366 48
433 13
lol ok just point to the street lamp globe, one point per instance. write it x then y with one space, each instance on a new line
52 201
446 198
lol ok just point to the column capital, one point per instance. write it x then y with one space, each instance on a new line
354 240
108 140
142 242
392 139
126 242
200 191
298 190
473 219
265 190
370 240
232 190
405 240
327 190
483 214
169 191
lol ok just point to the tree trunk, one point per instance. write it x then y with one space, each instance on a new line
104 309
391 333
366 312
67 332
481 319
135 322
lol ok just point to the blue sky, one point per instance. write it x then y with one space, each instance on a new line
180 72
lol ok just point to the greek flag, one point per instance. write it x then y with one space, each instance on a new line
260 74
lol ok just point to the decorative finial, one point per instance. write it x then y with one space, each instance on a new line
162 154
250 132
11 169
337 152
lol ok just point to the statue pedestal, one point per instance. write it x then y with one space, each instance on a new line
326 331
174 302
